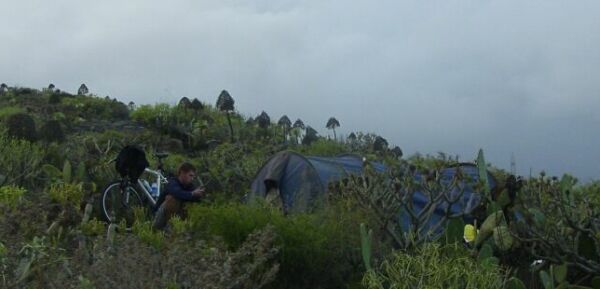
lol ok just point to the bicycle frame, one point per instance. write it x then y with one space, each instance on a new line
159 179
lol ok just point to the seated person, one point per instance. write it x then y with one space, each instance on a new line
178 191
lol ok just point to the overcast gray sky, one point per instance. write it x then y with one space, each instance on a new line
507 76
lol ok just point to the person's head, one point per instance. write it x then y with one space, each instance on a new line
186 173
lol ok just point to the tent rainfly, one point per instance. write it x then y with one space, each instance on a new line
301 182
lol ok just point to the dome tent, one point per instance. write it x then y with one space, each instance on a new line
302 181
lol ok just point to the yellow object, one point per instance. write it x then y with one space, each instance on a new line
470 233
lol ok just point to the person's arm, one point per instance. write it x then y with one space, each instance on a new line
175 190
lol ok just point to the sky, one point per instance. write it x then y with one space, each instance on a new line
512 77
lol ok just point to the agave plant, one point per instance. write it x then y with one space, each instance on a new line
285 124
263 120
185 103
310 136
332 123
196 105
297 129
83 89
225 103
131 106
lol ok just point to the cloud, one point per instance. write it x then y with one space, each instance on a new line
429 76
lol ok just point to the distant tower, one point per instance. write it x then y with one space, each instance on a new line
513 164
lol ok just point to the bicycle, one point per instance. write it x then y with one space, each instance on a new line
120 197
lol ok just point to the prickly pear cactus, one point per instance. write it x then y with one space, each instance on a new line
503 238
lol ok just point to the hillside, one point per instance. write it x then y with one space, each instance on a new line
56 153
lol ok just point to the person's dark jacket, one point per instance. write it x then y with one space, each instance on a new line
178 190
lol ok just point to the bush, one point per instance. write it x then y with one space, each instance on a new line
434 266
93 227
316 250
21 126
19 161
54 98
10 110
231 168
67 194
52 131
11 195
324 147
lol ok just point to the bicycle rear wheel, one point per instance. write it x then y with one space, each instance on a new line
118 203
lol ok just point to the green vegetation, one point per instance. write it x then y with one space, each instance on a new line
56 150
11 195
434 266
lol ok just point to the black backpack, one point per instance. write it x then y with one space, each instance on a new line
131 162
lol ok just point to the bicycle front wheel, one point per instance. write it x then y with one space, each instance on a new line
118 203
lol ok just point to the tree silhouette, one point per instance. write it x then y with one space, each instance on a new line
298 124
3 87
225 103
131 106
380 144
310 136
285 124
196 105
397 151
352 137
263 120
332 123
185 103
297 128
51 87
83 90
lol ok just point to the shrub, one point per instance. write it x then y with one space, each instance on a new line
19 161
10 110
22 126
556 220
93 227
11 195
143 229
52 131
150 114
316 250
67 194
434 266
324 147
54 98
231 168
185 263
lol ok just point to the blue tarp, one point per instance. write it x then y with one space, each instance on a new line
466 203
